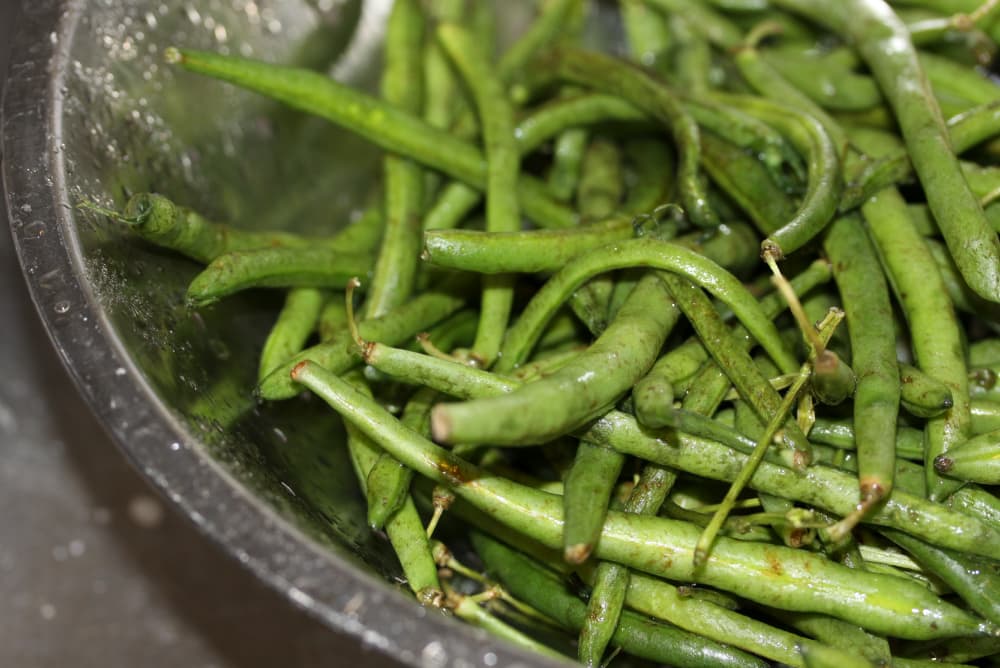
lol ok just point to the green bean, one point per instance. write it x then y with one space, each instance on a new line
581 109
663 547
975 460
934 329
610 582
985 415
635 633
824 183
948 653
646 32
404 528
840 434
503 165
585 498
641 252
961 296
556 17
384 125
519 252
615 77
168 225
653 166
922 395
716 29
295 323
584 388
769 83
832 380
340 354
692 56
822 656
985 352
567 163
883 42
820 486
865 298
974 501
974 126
279 267
747 182
974 579
467 608
601 180
388 481
963 82
395 271
841 635
818 74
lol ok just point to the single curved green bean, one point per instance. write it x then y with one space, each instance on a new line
395 272
340 353
579 391
747 181
651 253
884 43
164 223
824 185
384 125
503 164
976 460
278 267
520 252
295 323
769 82
586 497
616 77
664 547
635 633
922 395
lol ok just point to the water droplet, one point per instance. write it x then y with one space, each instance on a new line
490 659
434 655
48 611
280 434
145 511
77 547
120 371
175 446
61 307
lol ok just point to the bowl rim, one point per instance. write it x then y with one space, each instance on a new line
340 594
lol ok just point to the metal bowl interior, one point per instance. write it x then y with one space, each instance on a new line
91 114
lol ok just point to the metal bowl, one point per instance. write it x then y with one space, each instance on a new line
91 114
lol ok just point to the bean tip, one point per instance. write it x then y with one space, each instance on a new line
943 463
173 56
440 424
298 369
577 553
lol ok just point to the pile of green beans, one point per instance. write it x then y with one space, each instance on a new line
698 345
